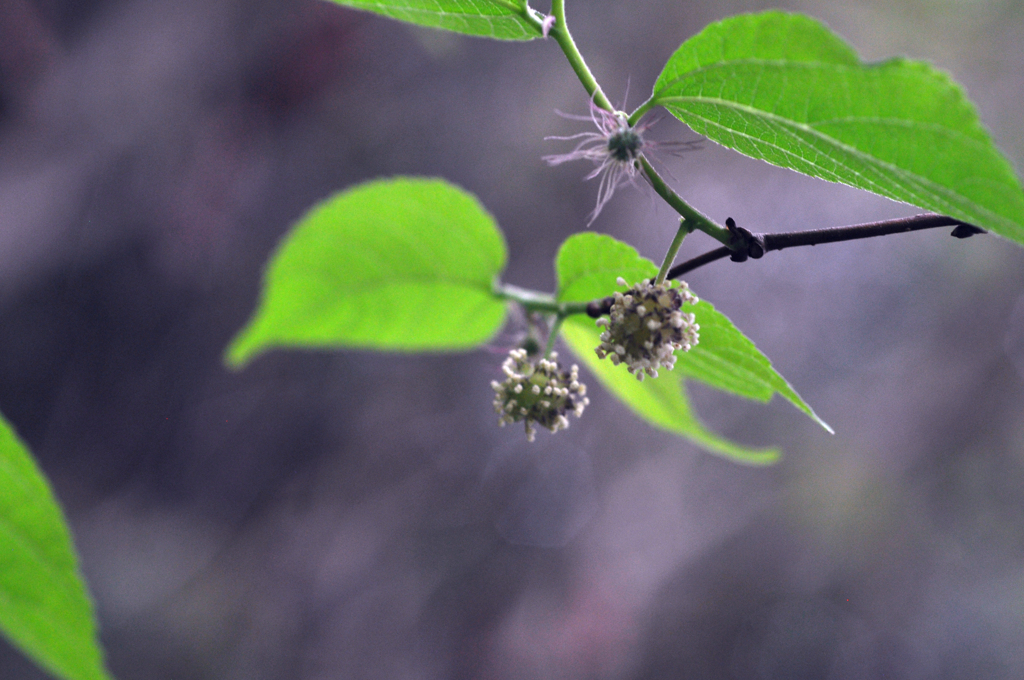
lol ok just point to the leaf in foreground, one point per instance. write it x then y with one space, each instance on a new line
785 89
661 401
587 266
500 19
44 608
406 264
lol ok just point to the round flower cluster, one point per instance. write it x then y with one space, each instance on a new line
538 392
646 326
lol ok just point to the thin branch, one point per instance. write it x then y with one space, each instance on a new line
747 244
755 245
699 261
884 228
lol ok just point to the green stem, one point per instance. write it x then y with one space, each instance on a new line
635 117
690 215
535 301
695 218
553 335
673 248
560 32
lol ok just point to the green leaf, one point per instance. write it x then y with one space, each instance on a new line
727 359
405 264
44 607
587 266
785 89
501 19
662 401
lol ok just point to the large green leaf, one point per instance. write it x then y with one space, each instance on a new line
404 264
44 607
661 401
785 89
587 266
501 19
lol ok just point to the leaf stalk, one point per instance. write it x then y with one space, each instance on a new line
536 301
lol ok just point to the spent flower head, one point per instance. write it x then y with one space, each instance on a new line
538 392
614 149
646 325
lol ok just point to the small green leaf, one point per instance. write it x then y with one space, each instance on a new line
44 607
727 359
662 402
785 89
500 19
588 264
405 264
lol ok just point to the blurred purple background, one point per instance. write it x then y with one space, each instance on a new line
358 515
